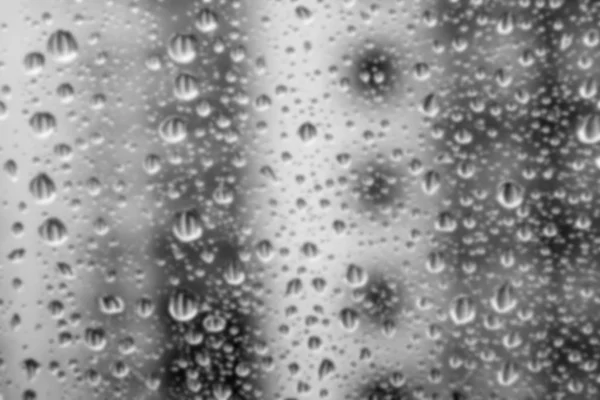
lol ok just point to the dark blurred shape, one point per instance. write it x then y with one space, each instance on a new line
380 299
458 395
374 73
382 389
376 186
218 352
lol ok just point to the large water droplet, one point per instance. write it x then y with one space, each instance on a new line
264 250
43 124
111 304
34 63
430 107
42 188
53 231
186 225
173 129
207 20
62 46
307 132
462 310
508 373
510 194
95 339
356 276
326 368
186 87
504 299
183 306
349 319
506 24
144 307
588 129
182 48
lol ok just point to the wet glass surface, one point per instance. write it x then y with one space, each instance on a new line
299 199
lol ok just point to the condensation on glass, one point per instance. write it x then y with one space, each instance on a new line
300 199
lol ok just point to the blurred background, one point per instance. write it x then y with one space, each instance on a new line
299 199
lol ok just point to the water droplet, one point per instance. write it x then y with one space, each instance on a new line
588 88
326 368
32 369
186 225
65 270
183 306
436 262
422 71
95 339
294 287
111 304
63 46
173 129
152 164
431 182
65 92
57 309
430 107
186 87
510 194
588 129
207 20
223 195
349 319
309 250
144 307
264 250
462 310
194 336
508 373
234 273
504 299
53 232
307 132
446 222
303 13
63 151
356 276
182 48
506 24
591 38
34 63
11 169
43 124
214 323
42 188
